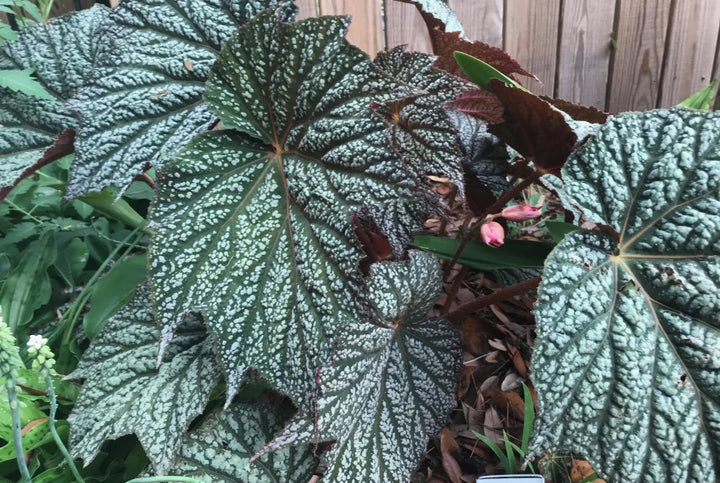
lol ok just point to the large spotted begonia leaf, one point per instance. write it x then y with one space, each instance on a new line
627 364
220 450
144 101
391 381
253 228
419 128
124 393
61 52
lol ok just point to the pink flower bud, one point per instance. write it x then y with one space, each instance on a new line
520 212
492 234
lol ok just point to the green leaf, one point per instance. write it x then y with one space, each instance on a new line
391 382
513 254
72 256
419 128
254 230
36 436
124 393
625 364
27 287
144 100
558 229
220 450
702 99
23 82
481 72
61 52
113 291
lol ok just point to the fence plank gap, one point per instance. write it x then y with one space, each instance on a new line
366 27
585 50
691 50
482 19
641 32
404 25
531 37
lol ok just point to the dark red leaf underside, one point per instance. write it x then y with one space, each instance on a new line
579 112
64 145
446 43
533 128
374 243
481 104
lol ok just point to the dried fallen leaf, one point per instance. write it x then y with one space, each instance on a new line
448 447
580 470
508 401
511 381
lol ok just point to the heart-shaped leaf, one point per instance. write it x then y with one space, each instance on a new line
254 230
124 393
220 449
61 52
626 365
391 382
144 100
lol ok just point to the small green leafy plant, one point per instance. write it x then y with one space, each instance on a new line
271 178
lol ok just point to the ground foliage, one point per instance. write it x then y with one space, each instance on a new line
281 270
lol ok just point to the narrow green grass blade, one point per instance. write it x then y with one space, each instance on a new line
513 254
495 449
528 420
512 462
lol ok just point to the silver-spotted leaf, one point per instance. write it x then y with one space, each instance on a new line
144 100
627 364
254 230
391 382
61 52
484 156
124 393
419 128
220 450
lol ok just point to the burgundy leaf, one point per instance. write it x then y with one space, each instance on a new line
446 43
479 103
533 128
579 112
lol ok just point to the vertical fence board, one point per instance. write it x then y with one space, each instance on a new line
531 37
691 49
366 27
641 32
404 25
308 8
585 51
482 19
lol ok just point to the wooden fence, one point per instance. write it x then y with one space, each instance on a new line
664 50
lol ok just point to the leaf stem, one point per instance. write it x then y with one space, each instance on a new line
53 430
494 298
17 430
73 313
492 209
